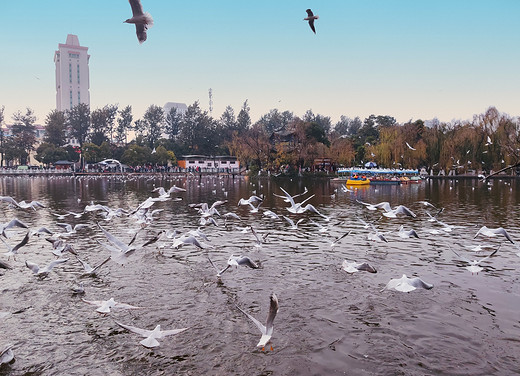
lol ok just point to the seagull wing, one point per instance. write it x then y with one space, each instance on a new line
502 231
140 31
273 310
137 8
172 332
260 326
112 239
309 13
141 332
66 226
419 283
31 265
404 210
311 24
125 306
246 261
22 243
49 267
367 268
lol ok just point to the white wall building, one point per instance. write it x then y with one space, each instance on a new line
72 74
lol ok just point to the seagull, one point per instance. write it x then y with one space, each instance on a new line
426 203
259 240
406 284
294 226
491 232
43 272
336 241
12 251
72 230
474 266
33 204
311 17
185 239
6 354
89 270
385 205
267 330
407 234
12 223
353 267
151 336
409 147
235 261
141 20
104 306
120 251
78 289
401 209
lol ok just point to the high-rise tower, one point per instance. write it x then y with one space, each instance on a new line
72 76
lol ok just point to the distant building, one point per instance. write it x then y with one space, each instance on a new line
72 74
221 163
180 107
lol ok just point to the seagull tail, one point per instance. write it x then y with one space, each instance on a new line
148 18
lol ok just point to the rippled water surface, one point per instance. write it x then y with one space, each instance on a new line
329 322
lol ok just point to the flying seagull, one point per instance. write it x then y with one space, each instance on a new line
105 305
267 330
141 20
43 272
474 266
491 232
151 335
409 147
353 267
311 17
235 261
406 284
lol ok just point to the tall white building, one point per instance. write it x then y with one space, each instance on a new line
72 75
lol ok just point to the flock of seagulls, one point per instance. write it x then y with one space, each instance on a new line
143 20
296 212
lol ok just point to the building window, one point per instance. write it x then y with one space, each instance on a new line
71 99
79 97
70 72
78 74
191 161
74 56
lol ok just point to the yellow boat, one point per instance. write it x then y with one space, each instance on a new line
356 180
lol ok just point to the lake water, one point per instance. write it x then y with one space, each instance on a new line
329 322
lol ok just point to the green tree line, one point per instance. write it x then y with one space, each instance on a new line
490 140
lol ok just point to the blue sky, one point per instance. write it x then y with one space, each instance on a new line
409 59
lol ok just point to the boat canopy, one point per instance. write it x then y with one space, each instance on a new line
373 171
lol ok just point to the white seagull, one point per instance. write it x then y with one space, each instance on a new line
151 336
492 232
235 261
474 266
353 267
104 306
6 354
267 330
43 272
141 20
120 251
406 284
311 17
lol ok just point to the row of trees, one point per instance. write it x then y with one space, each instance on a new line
489 141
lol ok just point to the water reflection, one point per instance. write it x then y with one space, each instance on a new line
329 321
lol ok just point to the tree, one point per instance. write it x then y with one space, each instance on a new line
78 122
55 128
275 120
110 111
153 122
173 123
48 153
136 155
24 134
197 131
124 124
98 126
163 156
243 118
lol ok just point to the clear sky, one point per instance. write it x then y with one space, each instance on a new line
409 59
